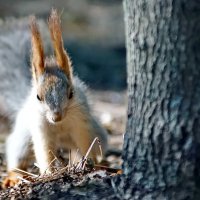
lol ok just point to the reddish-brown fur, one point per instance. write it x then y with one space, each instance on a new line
37 50
62 58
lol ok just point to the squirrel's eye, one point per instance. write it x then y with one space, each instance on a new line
71 94
38 97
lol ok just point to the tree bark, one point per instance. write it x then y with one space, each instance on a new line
161 146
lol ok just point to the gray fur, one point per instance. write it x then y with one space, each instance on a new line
55 97
13 71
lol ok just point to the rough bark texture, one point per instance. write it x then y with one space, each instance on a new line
161 148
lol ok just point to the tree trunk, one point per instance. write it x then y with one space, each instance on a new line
161 147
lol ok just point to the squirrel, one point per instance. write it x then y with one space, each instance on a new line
56 113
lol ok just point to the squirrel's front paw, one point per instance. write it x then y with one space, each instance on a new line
11 180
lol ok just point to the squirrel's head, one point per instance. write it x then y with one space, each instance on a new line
54 93
52 77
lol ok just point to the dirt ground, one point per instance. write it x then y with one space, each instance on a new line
110 108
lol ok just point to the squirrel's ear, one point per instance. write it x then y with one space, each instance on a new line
37 50
62 58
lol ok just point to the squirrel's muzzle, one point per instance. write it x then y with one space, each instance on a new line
57 116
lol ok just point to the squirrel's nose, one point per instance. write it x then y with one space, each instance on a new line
57 116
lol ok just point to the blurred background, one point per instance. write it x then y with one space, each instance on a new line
93 33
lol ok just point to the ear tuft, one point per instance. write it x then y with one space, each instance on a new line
62 57
37 49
